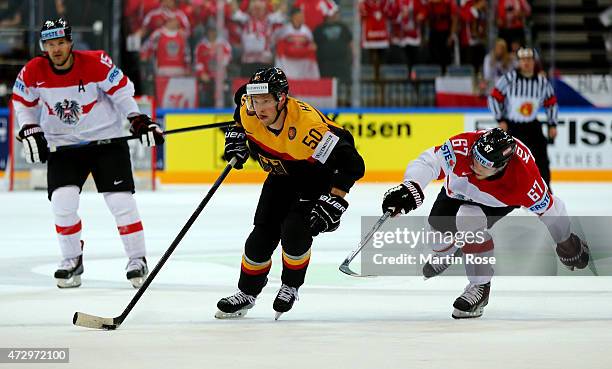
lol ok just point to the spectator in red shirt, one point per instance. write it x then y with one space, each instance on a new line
511 15
296 50
315 11
169 47
442 16
473 33
375 16
157 17
211 53
407 17
256 38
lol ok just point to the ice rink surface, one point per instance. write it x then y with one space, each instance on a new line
339 322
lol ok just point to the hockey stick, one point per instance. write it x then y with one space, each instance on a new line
131 137
344 267
92 321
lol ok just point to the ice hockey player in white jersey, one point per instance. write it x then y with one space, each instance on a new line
65 97
486 175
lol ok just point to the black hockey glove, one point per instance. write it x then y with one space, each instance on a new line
573 253
403 198
34 143
326 212
150 133
236 146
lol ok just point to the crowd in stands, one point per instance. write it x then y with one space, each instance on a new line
309 39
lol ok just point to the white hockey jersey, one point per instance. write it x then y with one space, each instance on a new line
83 103
520 185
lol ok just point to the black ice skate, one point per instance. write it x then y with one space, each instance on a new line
137 271
68 274
284 300
431 270
235 306
472 302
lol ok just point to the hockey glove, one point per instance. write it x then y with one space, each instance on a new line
236 146
34 143
326 212
150 133
403 198
573 253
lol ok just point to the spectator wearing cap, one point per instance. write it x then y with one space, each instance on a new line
295 48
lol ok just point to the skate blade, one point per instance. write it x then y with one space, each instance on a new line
72 282
137 282
237 315
460 314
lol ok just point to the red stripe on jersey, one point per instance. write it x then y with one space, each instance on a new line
122 83
281 155
550 101
66 231
29 104
497 95
87 108
130 228
478 248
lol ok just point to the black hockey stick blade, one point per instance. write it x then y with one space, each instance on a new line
131 137
344 267
95 322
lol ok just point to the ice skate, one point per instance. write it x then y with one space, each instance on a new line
284 300
431 270
68 274
235 306
472 302
137 271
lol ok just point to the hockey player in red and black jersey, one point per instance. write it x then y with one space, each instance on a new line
486 175
65 97
312 164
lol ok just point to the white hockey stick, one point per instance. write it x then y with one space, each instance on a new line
344 267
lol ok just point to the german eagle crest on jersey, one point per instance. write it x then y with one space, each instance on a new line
68 111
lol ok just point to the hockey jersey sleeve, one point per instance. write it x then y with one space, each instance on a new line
497 99
539 200
117 86
550 103
344 159
26 97
424 168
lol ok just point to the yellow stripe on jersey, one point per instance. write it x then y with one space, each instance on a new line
304 127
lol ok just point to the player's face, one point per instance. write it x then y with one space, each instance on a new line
59 50
265 106
481 171
527 65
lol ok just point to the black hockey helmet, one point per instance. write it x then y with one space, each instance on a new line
494 148
268 81
55 28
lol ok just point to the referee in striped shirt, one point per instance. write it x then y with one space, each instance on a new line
515 101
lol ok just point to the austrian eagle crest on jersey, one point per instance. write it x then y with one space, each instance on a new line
68 111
